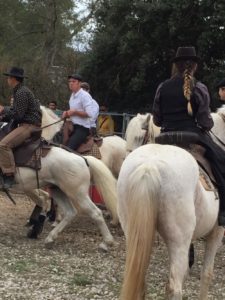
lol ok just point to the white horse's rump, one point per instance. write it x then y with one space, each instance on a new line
70 176
113 149
159 189
156 184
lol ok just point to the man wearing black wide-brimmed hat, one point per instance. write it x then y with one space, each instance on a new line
182 104
25 112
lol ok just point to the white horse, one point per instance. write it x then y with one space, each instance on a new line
70 175
113 149
159 189
219 124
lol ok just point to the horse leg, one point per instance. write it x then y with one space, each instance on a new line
38 215
88 207
51 214
34 215
69 213
213 241
178 253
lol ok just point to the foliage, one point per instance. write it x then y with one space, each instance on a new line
128 55
37 35
134 42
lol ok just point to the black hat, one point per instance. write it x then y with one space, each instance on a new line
186 53
76 77
15 72
221 84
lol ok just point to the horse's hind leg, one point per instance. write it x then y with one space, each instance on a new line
178 253
89 208
213 241
69 213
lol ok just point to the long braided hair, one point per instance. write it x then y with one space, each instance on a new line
186 69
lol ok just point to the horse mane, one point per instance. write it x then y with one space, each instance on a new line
47 112
48 118
134 131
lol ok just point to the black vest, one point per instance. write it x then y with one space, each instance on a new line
174 106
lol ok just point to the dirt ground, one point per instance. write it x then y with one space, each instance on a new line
75 269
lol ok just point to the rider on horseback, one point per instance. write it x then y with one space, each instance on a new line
25 113
80 112
182 104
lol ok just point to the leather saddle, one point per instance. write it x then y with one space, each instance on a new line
189 142
91 145
28 154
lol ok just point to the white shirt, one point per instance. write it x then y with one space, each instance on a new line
82 101
95 110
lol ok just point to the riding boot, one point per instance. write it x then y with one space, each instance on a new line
8 181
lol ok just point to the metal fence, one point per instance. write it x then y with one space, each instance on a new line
121 121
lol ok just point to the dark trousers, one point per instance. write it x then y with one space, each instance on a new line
216 156
78 137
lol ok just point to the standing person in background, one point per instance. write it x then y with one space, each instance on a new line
221 88
53 106
105 122
80 112
95 107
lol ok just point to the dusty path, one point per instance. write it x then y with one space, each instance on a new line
74 268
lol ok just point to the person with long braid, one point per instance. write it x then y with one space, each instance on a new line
183 104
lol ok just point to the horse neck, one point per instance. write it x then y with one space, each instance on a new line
219 125
47 119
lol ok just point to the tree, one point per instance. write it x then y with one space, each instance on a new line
134 42
37 35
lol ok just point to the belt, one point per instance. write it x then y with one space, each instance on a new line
80 126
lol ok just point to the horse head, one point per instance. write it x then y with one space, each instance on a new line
141 130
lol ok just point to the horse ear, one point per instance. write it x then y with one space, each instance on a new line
145 124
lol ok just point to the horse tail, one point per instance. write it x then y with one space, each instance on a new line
142 206
105 183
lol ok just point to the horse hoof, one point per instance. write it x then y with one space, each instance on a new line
103 247
49 244
32 234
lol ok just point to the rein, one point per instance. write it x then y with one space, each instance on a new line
43 127
146 136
